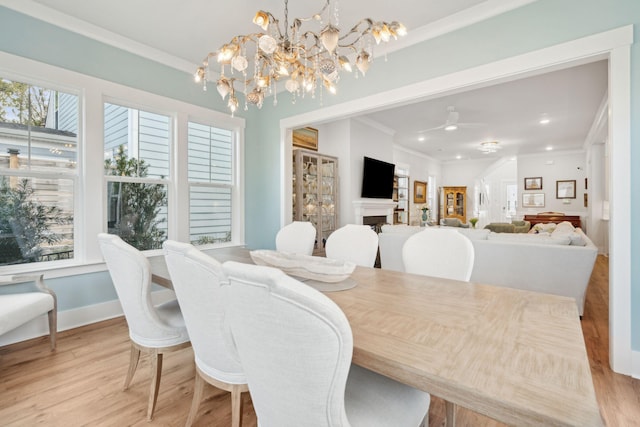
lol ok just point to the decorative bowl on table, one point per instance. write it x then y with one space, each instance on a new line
305 266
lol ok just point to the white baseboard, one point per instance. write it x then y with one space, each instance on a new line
635 364
75 318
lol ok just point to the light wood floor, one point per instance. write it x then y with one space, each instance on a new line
81 383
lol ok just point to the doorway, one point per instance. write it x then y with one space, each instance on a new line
509 201
613 45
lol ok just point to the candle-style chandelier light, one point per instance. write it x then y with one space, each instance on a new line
303 59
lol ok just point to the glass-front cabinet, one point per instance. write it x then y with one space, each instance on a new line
454 203
315 192
401 195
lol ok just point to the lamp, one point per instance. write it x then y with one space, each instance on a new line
489 147
305 59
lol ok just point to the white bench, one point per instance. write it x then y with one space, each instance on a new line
20 307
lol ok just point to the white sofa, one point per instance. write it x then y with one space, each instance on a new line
557 263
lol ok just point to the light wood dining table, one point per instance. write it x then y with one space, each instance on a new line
515 356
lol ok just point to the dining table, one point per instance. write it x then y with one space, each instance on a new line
515 356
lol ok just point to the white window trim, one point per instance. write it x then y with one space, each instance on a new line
90 209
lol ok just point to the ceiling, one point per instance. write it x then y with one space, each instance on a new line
180 34
509 113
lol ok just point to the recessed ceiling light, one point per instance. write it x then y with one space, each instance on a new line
421 138
451 127
458 157
549 148
544 119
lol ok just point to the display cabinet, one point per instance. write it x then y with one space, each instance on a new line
401 195
453 202
315 192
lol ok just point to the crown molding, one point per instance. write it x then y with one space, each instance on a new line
67 22
594 136
415 153
372 123
464 18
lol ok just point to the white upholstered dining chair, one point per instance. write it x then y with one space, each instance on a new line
197 280
22 305
439 252
355 243
295 346
154 330
299 237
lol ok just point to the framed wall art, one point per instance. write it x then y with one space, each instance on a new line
533 200
419 192
566 189
533 183
306 138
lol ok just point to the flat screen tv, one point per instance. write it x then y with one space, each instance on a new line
377 179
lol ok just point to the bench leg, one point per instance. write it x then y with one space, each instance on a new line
53 327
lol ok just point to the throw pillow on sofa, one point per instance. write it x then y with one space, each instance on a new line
566 229
543 228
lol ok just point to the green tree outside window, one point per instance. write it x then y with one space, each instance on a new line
135 207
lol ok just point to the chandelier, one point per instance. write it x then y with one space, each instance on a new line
489 147
303 59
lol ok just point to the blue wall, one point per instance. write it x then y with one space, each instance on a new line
537 25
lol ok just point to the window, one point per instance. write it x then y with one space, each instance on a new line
210 175
136 151
59 188
38 172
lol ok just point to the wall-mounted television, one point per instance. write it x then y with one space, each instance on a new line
377 179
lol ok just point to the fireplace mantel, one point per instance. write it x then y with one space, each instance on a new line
374 207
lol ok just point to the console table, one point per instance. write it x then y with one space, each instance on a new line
556 218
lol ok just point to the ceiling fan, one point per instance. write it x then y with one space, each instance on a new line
452 123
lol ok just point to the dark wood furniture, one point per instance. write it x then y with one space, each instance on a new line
454 203
553 217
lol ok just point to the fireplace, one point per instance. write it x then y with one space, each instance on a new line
381 209
375 221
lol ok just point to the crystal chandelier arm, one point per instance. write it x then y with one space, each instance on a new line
275 23
355 29
316 16
305 59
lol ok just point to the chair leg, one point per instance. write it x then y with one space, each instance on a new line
156 374
236 406
53 327
450 409
133 364
198 388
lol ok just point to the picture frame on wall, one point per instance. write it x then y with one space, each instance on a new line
534 183
533 200
306 138
566 189
419 192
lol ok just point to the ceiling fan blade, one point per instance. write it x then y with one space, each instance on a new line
432 129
